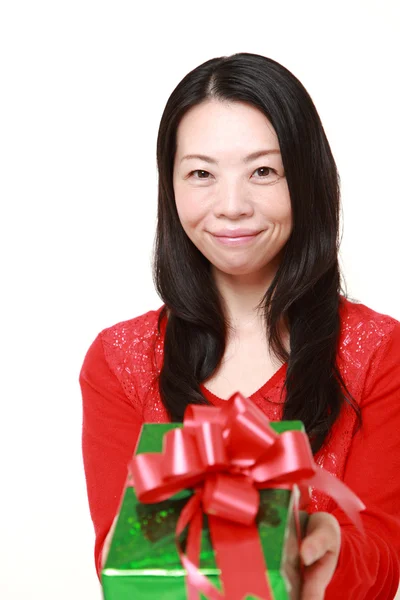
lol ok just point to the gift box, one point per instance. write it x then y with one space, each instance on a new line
143 560
211 508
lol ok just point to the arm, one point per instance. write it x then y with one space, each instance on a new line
111 426
368 569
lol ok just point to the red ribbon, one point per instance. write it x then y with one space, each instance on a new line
227 454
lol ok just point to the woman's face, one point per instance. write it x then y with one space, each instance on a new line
226 190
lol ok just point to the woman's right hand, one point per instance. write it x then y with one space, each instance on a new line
107 542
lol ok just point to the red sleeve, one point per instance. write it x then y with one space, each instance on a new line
111 426
368 568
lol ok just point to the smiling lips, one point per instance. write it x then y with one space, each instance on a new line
235 233
235 237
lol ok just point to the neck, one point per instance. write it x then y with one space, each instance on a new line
242 295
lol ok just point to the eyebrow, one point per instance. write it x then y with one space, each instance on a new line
246 159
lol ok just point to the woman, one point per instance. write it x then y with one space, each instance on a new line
246 263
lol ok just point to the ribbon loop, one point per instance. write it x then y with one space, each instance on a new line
232 498
248 433
211 447
181 455
290 459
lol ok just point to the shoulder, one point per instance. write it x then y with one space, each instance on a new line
128 332
362 324
129 345
365 336
124 357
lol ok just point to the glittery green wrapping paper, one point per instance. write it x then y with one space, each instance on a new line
143 562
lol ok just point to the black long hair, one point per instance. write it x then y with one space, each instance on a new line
306 289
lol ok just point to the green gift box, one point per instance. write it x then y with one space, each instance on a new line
143 561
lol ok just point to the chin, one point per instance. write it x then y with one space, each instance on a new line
239 270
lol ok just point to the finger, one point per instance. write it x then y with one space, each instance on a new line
317 576
107 541
323 535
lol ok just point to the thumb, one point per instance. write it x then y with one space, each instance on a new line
107 541
323 535
319 552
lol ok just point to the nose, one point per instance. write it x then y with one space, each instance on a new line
232 201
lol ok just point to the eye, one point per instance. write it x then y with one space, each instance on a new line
265 169
265 173
199 171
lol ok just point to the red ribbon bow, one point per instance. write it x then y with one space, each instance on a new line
226 454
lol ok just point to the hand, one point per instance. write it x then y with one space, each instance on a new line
107 542
319 551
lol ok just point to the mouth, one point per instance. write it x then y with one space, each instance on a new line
236 240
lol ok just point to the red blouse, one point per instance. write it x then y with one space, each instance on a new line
120 392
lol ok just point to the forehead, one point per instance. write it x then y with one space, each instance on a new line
215 126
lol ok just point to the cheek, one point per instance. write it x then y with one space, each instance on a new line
191 210
285 214
280 208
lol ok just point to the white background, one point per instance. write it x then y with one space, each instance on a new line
83 86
